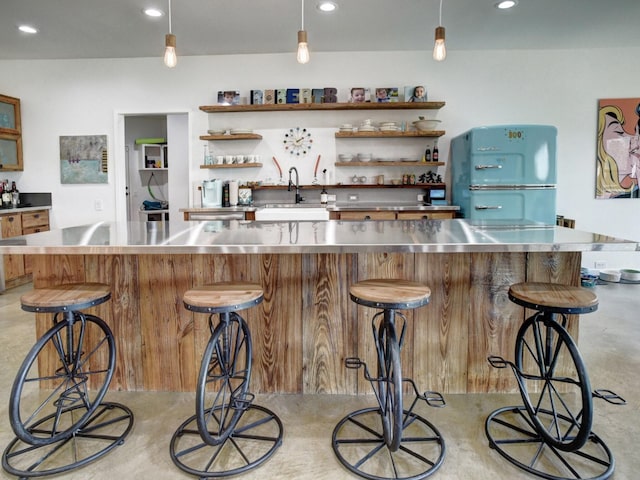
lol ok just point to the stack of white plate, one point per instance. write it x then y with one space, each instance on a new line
216 132
345 157
389 127
630 275
610 275
364 157
240 131
346 128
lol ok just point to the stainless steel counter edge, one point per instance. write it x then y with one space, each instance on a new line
332 236
9 211
332 207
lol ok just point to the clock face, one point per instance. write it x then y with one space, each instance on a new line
297 141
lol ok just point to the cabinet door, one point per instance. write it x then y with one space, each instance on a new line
368 215
13 264
424 215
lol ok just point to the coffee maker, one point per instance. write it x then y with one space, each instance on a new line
211 193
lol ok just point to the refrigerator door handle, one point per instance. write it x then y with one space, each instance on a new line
486 167
488 207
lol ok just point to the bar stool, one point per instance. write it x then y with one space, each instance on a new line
388 441
228 434
550 435
56 408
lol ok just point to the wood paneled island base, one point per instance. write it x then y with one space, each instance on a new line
307 326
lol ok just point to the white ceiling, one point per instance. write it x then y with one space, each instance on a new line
117 28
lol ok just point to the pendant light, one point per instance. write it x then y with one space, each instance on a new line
439 50
303 47
170 58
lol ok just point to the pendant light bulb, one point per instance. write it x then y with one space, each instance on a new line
170 57
439 49
303 47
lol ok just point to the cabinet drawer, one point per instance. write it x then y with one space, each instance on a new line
42 228
38 218
11 225
368 215
424 215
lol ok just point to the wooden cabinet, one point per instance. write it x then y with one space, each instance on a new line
391 215
18 268
10 134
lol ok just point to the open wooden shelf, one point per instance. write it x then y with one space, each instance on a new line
397 163
411 133
281 107
239 136
232 165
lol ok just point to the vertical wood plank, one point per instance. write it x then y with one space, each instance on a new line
442 327
329 334
166 327
122 314
494 320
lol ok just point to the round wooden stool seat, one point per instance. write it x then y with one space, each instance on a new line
553 297
390 293
223 297
65 298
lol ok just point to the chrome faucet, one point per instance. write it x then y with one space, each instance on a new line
299 197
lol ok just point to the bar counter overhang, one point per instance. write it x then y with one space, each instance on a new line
307 326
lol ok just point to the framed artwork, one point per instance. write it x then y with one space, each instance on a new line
83 159
359 95
229 97
416 93
618 148
386 94
10 115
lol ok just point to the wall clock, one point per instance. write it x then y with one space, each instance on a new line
297 141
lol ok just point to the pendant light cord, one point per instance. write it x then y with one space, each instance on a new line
302 15
440 22
170 16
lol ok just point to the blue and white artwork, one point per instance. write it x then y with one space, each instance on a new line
83 159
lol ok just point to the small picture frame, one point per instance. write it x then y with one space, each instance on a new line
386 94
359 95
10 115
257 97
415 93
228 97
10 152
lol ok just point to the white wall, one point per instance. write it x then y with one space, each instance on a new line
78 97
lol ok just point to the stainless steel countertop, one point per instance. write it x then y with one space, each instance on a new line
332 207
332 236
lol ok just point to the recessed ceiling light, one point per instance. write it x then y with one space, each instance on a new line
27 29
326 6
153 12
505 4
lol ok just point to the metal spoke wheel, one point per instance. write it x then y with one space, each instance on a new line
513 435
554 383
389 384
360 445
256 436
51 401
223 382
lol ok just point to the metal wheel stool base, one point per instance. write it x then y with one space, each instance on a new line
358 442
512 435
103 431
255 438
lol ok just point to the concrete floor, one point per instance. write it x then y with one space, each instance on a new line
610 344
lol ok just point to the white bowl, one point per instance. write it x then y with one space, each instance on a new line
426 124
610 275
630 275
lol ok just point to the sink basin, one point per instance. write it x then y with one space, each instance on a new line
292 211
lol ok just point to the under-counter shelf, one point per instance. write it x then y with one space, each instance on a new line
238 136
281 107
412 134
398 163
233 165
